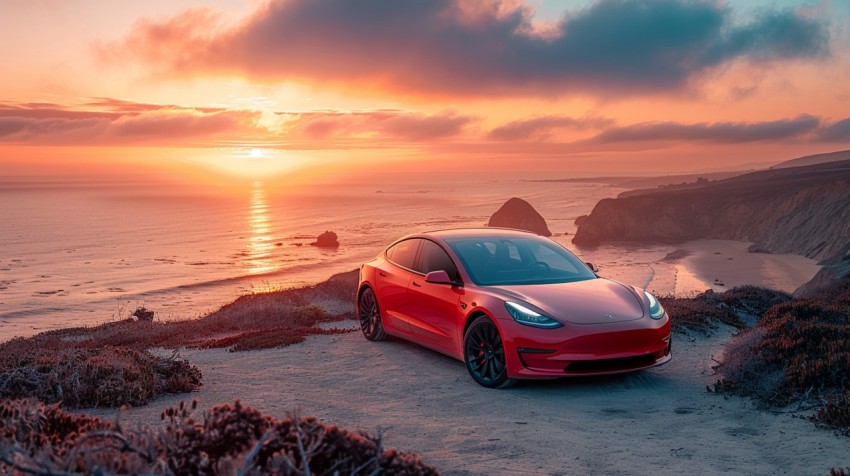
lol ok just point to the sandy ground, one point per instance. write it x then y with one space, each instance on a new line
659 421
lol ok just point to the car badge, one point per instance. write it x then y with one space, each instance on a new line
609 316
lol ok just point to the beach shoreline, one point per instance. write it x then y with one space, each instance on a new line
687 269
724 264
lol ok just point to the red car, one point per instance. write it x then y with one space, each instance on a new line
511 305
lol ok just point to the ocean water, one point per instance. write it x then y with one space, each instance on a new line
76 252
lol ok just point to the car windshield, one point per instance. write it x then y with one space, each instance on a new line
500 261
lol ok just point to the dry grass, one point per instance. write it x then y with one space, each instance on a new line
104 377
281 318
109 365
227 439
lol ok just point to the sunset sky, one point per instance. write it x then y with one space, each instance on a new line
248 88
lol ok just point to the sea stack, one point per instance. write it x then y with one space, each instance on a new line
327 239
519 214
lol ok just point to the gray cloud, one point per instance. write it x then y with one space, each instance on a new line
718 132
612 47
837 132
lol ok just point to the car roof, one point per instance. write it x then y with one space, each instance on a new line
479 232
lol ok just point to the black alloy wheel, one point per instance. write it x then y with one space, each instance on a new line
370 316
484 354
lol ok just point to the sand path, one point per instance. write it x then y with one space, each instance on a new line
660 421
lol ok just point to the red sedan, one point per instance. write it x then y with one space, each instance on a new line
511 305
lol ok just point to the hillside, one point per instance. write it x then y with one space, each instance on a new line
814 159
799 210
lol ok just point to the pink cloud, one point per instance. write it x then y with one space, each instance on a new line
121 122
384 124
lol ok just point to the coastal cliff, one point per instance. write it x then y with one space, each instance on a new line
799 210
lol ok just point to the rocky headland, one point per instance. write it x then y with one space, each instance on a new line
799 210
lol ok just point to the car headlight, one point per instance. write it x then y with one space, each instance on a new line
530 317
655 309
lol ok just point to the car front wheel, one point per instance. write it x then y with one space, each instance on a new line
484 354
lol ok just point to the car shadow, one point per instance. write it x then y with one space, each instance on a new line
646 378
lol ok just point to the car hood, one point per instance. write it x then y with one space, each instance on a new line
594 301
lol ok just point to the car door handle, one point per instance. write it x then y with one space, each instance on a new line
417 284
382 274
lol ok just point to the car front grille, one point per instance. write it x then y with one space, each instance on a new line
610 365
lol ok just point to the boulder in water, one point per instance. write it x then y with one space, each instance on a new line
327 239
519 214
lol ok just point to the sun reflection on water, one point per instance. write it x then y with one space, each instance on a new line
260 245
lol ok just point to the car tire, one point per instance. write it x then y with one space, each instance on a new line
484 354
370 316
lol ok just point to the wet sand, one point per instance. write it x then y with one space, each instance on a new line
724 264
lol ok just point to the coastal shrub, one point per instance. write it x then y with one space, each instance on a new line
699 312
143 314
798 349
102 377
835 412
227 439
751 373
810 339
754 300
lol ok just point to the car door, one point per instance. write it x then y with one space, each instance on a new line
392 281
435 311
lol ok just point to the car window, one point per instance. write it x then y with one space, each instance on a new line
500 261
544 254
433 258
403 253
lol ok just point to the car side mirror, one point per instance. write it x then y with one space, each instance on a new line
438 277
592 267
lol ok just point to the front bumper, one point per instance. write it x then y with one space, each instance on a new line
578 350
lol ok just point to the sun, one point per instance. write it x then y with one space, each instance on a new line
256 153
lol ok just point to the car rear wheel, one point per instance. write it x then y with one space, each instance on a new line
484 354
370 316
